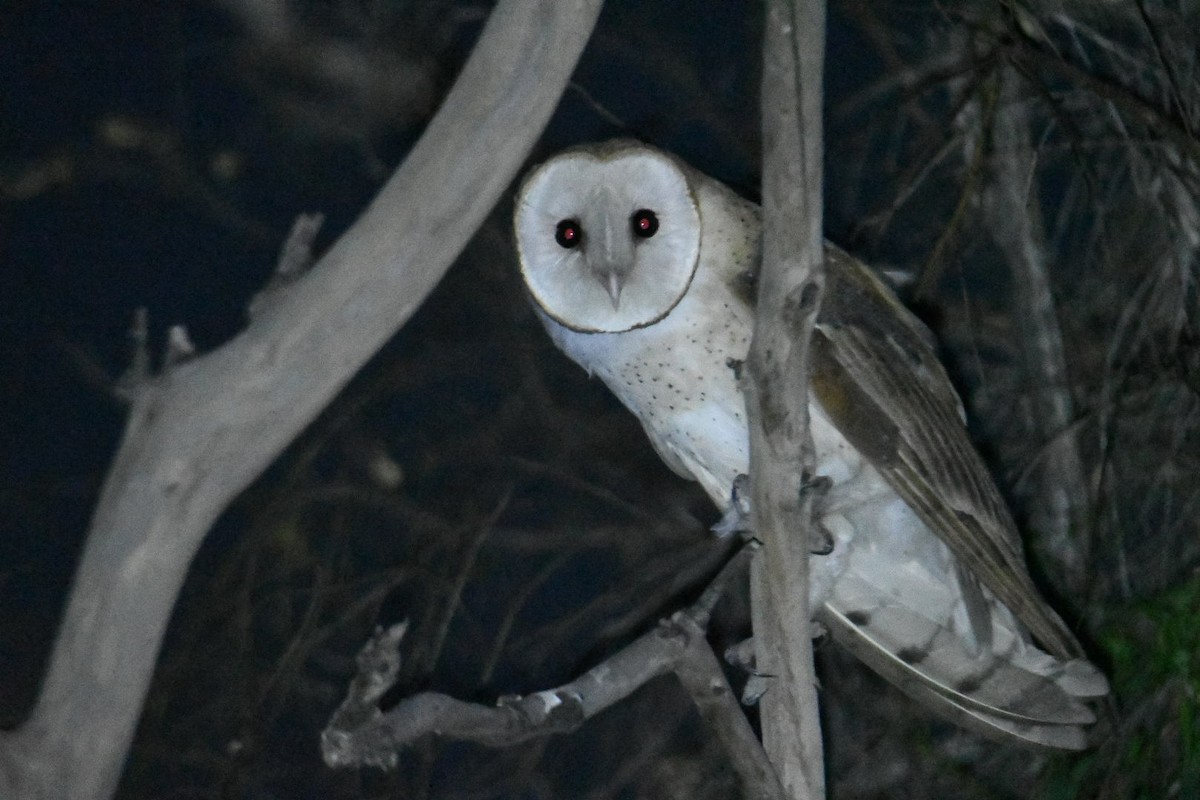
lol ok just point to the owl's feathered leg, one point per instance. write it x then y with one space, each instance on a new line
820 538
737 517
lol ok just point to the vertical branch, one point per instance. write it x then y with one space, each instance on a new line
776 387
1014 217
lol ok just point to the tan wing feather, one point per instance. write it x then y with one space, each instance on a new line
1062 734
876 375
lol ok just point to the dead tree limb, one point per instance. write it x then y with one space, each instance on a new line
359 733
199 433
781 449
1013 216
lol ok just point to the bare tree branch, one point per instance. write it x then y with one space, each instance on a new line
201 432
781 447
1014 217
359 733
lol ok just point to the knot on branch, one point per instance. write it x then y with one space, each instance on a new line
540 714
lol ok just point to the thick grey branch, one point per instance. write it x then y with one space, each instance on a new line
200 433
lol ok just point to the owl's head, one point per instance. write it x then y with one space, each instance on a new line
608 236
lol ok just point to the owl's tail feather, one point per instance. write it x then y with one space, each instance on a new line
1013 690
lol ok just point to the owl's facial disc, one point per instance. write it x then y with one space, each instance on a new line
609 241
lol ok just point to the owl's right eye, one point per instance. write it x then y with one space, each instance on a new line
568 234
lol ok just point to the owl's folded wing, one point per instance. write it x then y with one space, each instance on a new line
875 373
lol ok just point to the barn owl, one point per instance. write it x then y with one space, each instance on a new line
640 269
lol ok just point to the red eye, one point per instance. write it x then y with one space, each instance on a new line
645 223
568 234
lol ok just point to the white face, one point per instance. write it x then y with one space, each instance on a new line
607 241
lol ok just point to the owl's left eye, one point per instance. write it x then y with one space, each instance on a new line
568 234
644 222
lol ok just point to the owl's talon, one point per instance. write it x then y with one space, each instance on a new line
755 688
820 539
741 655
818 485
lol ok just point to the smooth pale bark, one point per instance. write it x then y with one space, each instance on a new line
776 388
201 432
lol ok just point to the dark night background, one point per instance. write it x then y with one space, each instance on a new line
474 481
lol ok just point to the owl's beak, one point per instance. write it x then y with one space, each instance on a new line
612 254
613 283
